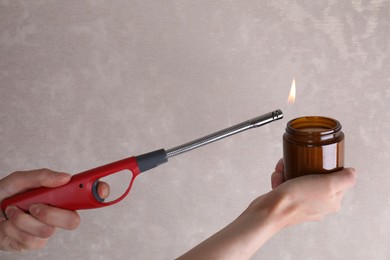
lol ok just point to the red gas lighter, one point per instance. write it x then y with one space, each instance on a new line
81 191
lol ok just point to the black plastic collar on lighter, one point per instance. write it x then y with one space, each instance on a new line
150 160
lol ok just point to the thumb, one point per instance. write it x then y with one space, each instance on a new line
23 180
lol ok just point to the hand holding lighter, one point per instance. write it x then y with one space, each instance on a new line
81 191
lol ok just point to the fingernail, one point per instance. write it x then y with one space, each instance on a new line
34 209
10 211
354 172
62 175
103 193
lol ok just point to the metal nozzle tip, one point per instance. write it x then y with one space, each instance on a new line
277 114
266 118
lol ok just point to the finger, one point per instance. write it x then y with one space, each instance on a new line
103 190
28 223
10 244
23 180
344 179
280 166
20 240
56 217
277 178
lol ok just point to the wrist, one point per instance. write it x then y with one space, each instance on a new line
274 208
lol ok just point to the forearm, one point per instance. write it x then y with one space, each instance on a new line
307 198
244 236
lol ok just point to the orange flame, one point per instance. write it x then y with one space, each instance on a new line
291 97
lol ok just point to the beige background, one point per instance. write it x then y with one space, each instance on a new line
84 83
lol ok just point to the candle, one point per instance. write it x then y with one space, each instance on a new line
312 145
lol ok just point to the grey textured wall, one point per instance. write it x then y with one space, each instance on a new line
84 83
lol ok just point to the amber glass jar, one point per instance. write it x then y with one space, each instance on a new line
312 145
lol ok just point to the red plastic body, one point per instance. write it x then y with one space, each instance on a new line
77 193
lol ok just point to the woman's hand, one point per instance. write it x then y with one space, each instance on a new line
310 197
307 198
24 231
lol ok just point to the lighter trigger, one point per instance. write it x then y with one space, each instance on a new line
95 191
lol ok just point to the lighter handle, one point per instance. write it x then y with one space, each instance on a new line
79 193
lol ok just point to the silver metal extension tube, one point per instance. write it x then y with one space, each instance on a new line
252 123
